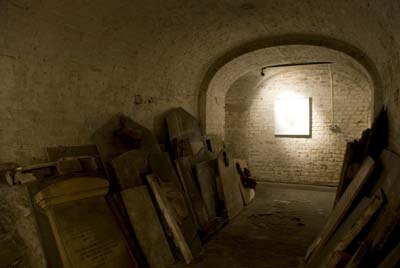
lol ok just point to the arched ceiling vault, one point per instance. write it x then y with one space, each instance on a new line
216 85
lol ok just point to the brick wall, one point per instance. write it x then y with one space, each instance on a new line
249 131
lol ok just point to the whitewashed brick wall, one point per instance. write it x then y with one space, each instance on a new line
249 129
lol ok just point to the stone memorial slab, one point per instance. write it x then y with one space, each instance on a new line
230 184
185 170
162 168
147 227
182 124
170 219
84 228
128 167
206 178
110 146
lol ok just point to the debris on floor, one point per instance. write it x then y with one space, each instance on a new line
128 201
363 229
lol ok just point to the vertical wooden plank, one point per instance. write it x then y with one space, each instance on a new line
358 257
384 230
351 228
392 260
342 206
344 180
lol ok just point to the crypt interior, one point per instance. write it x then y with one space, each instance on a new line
158 134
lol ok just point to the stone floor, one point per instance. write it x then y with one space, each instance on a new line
273 232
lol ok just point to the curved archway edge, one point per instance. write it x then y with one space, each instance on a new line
287 40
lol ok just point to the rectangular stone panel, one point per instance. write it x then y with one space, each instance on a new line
88 235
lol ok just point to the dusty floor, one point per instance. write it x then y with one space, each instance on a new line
273 232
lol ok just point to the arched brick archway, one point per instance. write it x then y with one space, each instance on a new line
279 50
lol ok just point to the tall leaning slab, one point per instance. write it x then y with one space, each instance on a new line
84 228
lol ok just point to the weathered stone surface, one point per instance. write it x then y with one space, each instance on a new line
147 226
17 223
128 167
185 167
83 225
182 124
230 184
162 168
90 235
206 177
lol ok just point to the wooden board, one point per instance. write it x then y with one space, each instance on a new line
147 227
384 229
247 193
195 200
358 257
206 178
168 215
344 181
392 260
351 228
373 207
337 259
230 185
342 207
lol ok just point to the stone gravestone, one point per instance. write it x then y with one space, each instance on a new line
230 184
147 226
85 231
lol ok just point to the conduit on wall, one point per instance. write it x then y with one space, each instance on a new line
333 126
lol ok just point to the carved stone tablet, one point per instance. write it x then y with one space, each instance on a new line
85 230
230 185
147 226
